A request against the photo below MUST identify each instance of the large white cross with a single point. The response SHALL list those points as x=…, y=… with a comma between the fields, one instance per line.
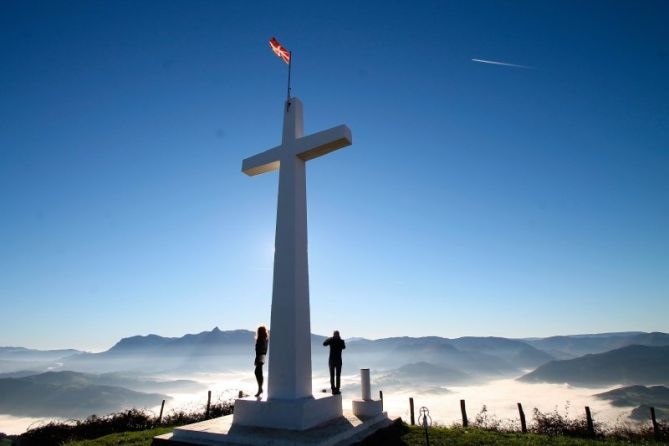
x=290, y=327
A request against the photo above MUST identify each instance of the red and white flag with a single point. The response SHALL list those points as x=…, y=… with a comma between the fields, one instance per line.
x=279, y=50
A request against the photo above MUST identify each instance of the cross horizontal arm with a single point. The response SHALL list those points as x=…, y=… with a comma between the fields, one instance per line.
x=322, y=143
x=306, y=148
x=262, y=162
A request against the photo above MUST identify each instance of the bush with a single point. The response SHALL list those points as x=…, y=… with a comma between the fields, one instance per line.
x=556, y=424
x=484, y=420
x=57, y=433
x=553, y=423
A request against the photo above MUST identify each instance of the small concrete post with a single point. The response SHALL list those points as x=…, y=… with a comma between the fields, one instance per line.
x=366, y=406
x=365, y=385
x=413, y=419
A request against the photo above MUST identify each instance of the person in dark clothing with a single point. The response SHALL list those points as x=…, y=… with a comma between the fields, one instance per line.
x=336, y=344
x=262, y=339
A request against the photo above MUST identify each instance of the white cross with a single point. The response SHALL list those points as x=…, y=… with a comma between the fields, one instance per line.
x=290, y=328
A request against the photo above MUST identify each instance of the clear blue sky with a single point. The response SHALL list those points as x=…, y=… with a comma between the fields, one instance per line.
x=477, y=199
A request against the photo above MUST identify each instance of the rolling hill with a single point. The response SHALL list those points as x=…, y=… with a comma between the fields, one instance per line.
x=642, y=397
x=14, y=359
x=637, y=395
x=634, y=364
x=67, y=395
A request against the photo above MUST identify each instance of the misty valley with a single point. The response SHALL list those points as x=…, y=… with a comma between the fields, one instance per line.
x=619, y=374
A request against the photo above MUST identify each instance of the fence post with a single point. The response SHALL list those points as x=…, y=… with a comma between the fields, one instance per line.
x=160, y=417
x=523, y=425
x=413, y=420
x=656, y=428
x=588, y=417
x=465, y=423
x=206, y=414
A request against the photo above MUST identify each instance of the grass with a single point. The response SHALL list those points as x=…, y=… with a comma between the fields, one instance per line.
x=407, y=436
x=457, y=436
x=140, y=438
x=137, y=428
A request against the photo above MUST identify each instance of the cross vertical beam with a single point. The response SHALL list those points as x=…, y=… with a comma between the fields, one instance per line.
x=290, y=344
x=289, y=375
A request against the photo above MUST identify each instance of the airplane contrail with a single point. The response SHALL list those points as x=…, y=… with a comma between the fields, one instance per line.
x=492, y=62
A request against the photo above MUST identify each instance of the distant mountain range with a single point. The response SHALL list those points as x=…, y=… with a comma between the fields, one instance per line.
x=214, y=342
x=218, y=350
x=26, y=354
x=69, y=394
x=472, y=359
x=634, y=364
x=567, y=347
x=482, y=355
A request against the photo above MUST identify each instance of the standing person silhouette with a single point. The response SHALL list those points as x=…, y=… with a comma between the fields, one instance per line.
x=262, y=339
x=336, y=344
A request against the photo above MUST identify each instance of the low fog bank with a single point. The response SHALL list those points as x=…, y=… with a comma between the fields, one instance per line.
x=499, y=397
x=12, y=425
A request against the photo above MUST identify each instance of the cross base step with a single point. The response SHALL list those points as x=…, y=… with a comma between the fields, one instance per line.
x=300, y=414
x=342, y=431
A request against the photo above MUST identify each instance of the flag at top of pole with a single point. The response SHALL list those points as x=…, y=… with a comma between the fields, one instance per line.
x=283, y=54
x=279, y=50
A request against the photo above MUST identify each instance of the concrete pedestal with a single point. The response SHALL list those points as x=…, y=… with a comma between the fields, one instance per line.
x=341, y=431
x=293, y=414
x=367, y=408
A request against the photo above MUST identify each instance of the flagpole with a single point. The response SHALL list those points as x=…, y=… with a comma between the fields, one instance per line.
x=290, y=61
